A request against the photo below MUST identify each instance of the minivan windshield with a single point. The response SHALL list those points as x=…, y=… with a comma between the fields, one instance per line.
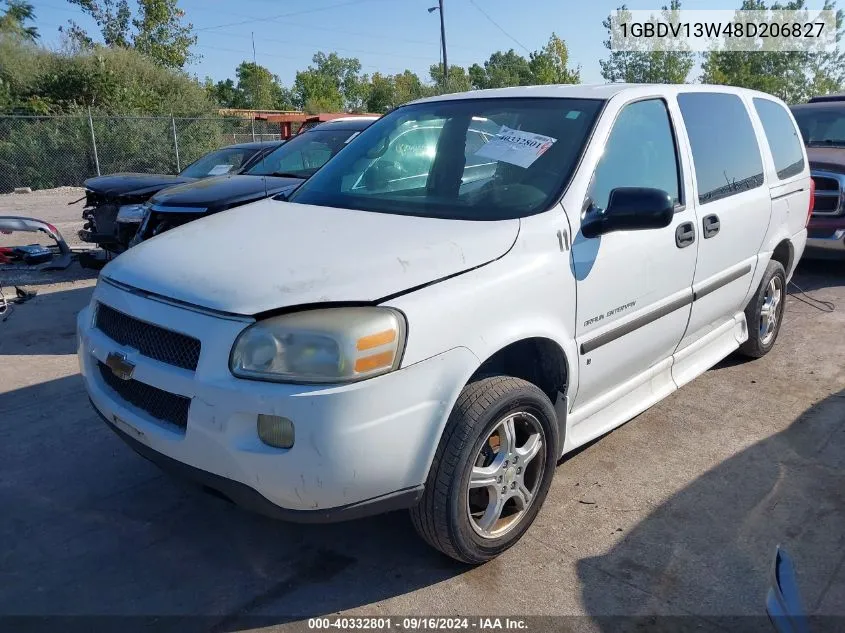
x=305, y=153
x=473, y=159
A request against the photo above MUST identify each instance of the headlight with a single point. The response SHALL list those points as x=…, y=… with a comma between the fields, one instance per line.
x=321, y=346
x=131, y=213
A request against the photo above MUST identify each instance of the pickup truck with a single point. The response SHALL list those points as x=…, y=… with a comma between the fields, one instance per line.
x=822, y=125
x=381, y=341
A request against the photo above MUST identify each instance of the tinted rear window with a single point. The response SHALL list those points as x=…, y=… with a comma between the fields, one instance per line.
x=783, y=139
x=724, y=147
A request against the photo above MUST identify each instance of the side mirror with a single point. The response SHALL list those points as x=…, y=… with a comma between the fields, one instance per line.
x=631, y=209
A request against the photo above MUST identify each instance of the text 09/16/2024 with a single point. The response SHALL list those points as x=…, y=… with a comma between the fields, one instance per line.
x=419, y=623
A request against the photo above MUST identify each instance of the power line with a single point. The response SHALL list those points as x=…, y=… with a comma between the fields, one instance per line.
x=291, y=57
x=297, y=25
x=314, y=46
x=273, y=18
x=498, y=26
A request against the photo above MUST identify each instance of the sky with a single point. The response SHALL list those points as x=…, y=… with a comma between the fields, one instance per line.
x=388, y=36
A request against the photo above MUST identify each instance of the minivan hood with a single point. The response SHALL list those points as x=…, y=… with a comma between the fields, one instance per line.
x=132, y=184
x=221, y=192
x=273, y=254
x=829, y=158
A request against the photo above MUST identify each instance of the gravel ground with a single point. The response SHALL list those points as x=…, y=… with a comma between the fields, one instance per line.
x=676, y=513
x=60, y=207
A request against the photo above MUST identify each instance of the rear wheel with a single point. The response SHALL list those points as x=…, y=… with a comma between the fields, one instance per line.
x=764, y=312
x=491, y=472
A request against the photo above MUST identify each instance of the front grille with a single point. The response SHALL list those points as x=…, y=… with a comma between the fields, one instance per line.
x=823, y=182
x=150, y=340
x=828, y=193
x=162, y=405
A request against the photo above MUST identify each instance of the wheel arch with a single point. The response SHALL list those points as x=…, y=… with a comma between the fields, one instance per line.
x=784, y=253
x=540, y=360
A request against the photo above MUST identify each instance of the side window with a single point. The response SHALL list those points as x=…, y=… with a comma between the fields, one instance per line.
x=640, y=152
x=724, y=147
x=782, y=137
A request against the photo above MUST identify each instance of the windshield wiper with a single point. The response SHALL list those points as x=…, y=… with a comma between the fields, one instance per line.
x=286, y=174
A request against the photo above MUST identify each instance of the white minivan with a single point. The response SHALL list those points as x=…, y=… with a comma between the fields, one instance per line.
x=475, y=286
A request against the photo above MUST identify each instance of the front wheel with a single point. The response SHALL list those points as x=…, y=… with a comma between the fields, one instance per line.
x=492, y=470
x=764, y=312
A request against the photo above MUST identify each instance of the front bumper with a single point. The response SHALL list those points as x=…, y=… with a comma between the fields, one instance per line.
x=250, y=499
x=360, y=448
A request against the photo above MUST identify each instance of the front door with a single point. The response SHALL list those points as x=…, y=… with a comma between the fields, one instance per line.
x=634, y=287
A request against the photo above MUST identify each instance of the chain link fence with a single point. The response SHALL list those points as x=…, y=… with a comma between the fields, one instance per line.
x=43, y=152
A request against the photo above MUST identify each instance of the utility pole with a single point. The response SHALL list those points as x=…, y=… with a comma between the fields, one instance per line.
x=442, y=41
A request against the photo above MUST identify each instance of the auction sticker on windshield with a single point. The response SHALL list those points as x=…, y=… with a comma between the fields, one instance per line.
x=516, y=147
x=219, y=170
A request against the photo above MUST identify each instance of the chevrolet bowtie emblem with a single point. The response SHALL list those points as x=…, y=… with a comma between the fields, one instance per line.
x=119, y=366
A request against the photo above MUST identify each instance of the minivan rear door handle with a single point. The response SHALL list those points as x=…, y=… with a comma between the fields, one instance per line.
x=710, y=224
x=684, y=234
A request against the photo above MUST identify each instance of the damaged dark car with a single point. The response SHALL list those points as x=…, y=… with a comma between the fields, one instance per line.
x=278, y=173
x=114, y=204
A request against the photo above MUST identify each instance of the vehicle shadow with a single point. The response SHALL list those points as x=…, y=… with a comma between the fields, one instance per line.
x=45, y=324
x=814, y=274
x=708, y=549
x=90, y=528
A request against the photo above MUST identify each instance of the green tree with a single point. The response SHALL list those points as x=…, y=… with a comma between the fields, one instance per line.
x=501, y=70
x=386, y=92
x=13, y=20
x=256, y=88
x=651, y=62
x=331, y=83
x=157, y=29
x=22, y=65
x=260, y=89
x=550, y=65
x=458, y=80
x=381, y=96
x=34, y=80
x=409, y=87
x=791, y=75
x=224, y=93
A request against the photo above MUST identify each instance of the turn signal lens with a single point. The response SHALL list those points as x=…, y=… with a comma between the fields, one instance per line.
x=275, y=431
x=376, y=361
x=376, y=340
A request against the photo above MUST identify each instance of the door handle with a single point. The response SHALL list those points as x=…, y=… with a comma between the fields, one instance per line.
x=710, y=224
x=684, y=234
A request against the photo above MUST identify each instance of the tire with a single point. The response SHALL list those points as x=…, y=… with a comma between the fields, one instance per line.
x=762, y=335
x=450, y=517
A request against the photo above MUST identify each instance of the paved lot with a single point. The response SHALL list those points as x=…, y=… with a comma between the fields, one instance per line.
x=678, y=512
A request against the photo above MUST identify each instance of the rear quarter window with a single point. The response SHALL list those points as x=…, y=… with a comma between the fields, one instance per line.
x=782, y=137
x=724, y=147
